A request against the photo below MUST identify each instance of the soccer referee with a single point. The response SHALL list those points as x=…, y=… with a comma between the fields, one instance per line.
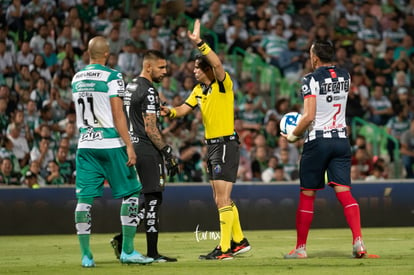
x=215, y=97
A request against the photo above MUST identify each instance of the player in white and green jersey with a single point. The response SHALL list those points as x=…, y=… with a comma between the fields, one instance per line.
x=105, y=151
x=92, y=89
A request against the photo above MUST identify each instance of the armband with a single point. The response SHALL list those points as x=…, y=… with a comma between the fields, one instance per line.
x=173, y=113
x=200, y=43
x=203, y=48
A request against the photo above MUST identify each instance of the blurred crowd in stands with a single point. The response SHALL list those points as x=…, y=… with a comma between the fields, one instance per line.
x=43, y=43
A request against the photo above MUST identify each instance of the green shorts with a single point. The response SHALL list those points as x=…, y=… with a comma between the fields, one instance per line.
x=93, y=166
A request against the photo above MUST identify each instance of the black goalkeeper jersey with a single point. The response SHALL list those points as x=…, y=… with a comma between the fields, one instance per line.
x=141, y=97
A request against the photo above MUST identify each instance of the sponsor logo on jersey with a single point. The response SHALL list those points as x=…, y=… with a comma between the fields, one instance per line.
x=305, y=88
x=133, y=138
x=89, y=74
x=85, y=86
x=331, y=98
x=151, y=99
x=132, y=87
x=127, y=97
x=335, y=87
x=95, y=75
x=90, y=135
x=332, y=127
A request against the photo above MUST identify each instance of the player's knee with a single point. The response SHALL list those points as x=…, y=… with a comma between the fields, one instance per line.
x=309, y=193
x=222, y=202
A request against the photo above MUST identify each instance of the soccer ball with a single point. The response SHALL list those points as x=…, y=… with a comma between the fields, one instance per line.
x=289, y=122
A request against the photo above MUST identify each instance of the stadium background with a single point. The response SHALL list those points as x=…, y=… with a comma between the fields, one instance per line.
x=263, y=206
x=188, y=206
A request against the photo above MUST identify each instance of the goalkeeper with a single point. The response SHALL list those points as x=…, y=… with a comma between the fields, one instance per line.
x=142, y=108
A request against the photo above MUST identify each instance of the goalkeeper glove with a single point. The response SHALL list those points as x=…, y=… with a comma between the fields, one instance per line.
x=170, y=160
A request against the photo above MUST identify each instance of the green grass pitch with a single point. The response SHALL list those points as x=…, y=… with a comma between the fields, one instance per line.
x=329, y=252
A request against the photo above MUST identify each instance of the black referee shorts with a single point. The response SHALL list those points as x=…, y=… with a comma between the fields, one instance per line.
x=223, y=160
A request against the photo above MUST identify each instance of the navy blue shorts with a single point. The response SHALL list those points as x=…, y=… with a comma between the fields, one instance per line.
x=331, y=155
x=223, y=160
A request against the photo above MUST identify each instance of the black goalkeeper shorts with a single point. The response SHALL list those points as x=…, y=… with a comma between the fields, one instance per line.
x=150, y=168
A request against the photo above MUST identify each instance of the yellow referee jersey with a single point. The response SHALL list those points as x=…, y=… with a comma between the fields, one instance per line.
x=216, y=103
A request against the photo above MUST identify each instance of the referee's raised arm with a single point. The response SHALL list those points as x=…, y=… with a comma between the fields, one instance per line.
x=205, y=50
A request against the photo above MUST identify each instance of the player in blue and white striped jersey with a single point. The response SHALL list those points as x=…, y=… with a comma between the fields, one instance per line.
x=326, y=149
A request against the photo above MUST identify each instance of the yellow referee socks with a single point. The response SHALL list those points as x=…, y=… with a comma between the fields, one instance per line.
x=236, y=229
x=226, y=224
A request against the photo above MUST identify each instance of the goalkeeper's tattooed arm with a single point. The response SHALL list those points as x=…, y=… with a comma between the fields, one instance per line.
x=155, y=135
x=150, y=121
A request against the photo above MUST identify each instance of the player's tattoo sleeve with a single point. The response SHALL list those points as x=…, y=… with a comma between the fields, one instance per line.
x=150, y=121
